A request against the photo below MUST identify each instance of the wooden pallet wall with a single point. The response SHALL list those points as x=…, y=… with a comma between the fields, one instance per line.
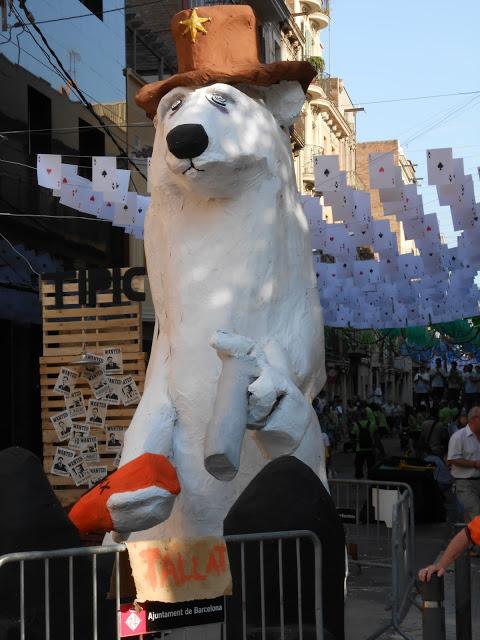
x=66, y=333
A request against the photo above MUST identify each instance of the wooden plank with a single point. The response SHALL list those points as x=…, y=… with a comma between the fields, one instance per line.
x=97, y=337
x=88, y=325
x=74, y=351
x=49, y=363
x=132, y=308
x=66, y=332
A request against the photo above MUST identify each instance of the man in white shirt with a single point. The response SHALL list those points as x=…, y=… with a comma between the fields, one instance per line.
x=421, y=386
x=469, y=386
x=464, y=458
x=438, y=382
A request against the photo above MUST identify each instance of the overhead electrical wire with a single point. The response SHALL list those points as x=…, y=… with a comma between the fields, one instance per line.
x=411, y=99
x=78, y=91
x=92, y=14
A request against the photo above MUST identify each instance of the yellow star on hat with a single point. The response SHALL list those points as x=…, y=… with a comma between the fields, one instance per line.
x=193, y=24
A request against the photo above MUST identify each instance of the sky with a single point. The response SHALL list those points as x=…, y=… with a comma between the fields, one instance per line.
x=92, y=50
x=385, y=49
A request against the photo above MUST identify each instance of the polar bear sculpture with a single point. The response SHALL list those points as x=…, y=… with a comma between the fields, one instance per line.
x=238, y=340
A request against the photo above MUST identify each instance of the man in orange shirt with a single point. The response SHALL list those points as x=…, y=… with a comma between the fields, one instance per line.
x=458, y=545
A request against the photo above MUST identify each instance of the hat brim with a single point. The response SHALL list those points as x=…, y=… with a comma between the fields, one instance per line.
x=260, y=75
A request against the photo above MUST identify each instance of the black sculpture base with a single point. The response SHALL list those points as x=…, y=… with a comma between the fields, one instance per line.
x=286, y=495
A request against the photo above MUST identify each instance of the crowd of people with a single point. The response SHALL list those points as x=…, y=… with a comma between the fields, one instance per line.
x=438, y=384
x=425, y=430
x=442, y=428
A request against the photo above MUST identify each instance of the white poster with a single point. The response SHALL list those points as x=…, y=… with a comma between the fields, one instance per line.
x=130, y=393
x=78, y=470
x=62, y=423
x=96, y=413
x=113, y=360
x=66, y=381
x=75, y=405
x=60, y=460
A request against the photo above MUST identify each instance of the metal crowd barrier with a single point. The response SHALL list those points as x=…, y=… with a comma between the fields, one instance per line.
x=433, y=595
x=364, y=505
x=261, y=541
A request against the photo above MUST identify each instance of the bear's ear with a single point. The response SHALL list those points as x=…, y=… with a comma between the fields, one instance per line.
x=285, y=101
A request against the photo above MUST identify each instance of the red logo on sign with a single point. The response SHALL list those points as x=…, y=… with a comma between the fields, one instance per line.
x=132, y=622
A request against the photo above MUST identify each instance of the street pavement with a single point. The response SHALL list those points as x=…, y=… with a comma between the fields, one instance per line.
x=368, y=594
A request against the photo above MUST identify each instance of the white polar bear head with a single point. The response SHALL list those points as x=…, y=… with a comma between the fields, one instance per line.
x=218, y=139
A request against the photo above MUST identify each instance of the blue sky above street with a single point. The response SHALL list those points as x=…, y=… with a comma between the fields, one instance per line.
x=386, y=50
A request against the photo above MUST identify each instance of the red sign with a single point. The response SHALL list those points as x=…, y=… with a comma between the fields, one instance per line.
x=132, y=622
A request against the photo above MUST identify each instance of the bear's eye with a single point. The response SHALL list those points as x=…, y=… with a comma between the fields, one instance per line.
x=176, y=105
x=216, y=98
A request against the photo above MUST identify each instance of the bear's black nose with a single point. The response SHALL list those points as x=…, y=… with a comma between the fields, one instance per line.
x=187, y=140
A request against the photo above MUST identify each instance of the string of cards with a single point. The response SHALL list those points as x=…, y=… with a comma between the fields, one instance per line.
x=73, y=424
x=106, y=196
x=433, y=284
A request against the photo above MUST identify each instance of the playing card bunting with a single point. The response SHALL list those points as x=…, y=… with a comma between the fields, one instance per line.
x=394, y=290
x=437, y=285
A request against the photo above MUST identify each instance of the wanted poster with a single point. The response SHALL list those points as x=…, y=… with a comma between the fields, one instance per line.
x=96, y=362
x=78, y=443
x=80, y=429
x=78, y=470
x=114, y=396
x=96, y=413
x=114, y=439
x=98, y=383
x=62, y=424
x=113, y=360
x=116, y=462
x=75, y=405
x=90, y=451
x=66, y=381
x=97, y=473
x=60, y=461
x=130, y=393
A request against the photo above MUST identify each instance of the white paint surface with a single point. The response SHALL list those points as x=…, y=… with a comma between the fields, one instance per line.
x=228, y=250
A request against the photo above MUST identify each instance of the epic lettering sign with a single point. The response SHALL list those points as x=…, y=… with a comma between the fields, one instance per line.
x=93, y=281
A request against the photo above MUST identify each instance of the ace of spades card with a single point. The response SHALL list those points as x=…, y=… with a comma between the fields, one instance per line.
x=104, y=170
x=342, y=204
x=383, y=239
x=125, y=211
x=440, y=166
x=118, y=186
x=326, y=170
x=143, y=202
x=447, y=191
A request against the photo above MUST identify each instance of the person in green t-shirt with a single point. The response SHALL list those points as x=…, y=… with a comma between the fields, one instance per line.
x=363, y=433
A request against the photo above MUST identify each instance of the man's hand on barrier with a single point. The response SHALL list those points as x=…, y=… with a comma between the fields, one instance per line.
x=426, y=573
x=457, y=545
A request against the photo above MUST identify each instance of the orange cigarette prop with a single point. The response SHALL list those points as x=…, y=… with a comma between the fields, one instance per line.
x=90, y=514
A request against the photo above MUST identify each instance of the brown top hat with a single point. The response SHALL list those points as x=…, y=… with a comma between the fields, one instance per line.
x=219, y=44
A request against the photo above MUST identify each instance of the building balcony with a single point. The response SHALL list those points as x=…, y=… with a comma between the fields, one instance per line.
x=320, y=19
x=313, y=6
x=316, y=88
x=307, y=155
x=297, y=133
